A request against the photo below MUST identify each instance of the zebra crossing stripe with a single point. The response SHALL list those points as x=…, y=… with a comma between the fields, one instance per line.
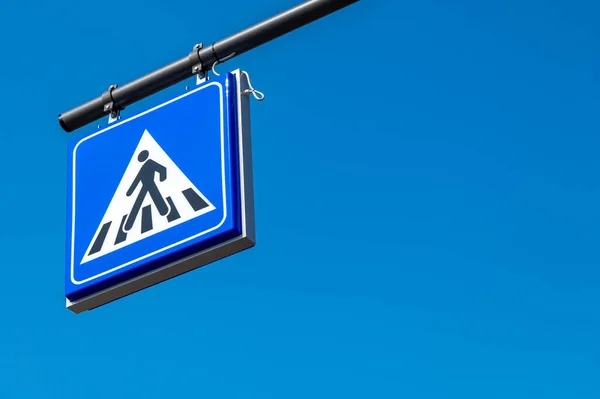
x=100, y=238
x=121, y=235
x=146, y=218
x=194, y=199
x=151, y=183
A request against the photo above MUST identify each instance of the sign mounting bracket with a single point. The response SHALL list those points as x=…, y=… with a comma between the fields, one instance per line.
x=109, y=105
x=196, y=62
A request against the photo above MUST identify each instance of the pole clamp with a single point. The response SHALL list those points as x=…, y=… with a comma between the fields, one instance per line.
x=108, y=103
x=194, y=59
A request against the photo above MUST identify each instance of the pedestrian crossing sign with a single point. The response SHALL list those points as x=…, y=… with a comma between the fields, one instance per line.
x=159, y=194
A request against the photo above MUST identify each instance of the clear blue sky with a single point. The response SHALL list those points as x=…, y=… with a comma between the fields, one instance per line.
x=427, y=200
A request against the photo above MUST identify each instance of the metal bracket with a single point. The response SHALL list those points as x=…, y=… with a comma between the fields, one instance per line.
x=108, y=104
x=196, y=62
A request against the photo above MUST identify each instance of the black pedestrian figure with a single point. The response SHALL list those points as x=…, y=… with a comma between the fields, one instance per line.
x=146, y=178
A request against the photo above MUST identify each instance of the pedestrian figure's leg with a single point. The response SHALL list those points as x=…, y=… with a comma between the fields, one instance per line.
x=136, y=209
x=158, y=200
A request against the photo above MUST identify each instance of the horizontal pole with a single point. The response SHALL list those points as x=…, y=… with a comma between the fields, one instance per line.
x=204, y=58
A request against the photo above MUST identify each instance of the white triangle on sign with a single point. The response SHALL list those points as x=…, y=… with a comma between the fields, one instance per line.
x=160, y=197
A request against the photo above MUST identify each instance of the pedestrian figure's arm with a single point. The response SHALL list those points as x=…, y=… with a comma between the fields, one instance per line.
x=135, y=183
x=162, y=171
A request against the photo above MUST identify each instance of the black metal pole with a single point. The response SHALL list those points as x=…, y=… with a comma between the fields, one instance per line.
x=201, y=59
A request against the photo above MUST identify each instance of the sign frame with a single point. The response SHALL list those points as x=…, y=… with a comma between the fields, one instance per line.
x=245, y=240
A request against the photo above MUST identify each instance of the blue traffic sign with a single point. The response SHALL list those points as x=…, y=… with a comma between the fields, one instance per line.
x=159, y=194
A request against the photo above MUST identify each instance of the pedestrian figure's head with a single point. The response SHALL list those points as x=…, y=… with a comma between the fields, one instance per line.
x=143, y=156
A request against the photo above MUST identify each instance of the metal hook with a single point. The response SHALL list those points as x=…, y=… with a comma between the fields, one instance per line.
x=259, y=96
x=221, y=61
